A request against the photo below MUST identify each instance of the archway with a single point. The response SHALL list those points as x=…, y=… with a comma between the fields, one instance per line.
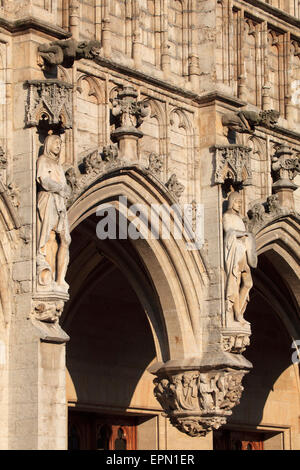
x=268, y=414
x=133, y=303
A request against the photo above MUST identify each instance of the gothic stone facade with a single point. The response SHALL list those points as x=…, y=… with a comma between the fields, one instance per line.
x=149, y=102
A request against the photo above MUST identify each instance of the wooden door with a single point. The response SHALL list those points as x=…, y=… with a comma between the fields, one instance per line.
x=246, y=441
x=238, y=440
x=91, y=431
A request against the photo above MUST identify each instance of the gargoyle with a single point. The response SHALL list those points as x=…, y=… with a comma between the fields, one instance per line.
x=246, y=121
x=66, y=51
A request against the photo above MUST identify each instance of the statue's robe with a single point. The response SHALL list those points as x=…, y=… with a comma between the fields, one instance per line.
x=52, y=214
x=240, y=251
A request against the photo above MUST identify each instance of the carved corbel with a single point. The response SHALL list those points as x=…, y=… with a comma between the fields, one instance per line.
x=233, y=163
x=49, y=101
x=197, y=401
x=45, y=315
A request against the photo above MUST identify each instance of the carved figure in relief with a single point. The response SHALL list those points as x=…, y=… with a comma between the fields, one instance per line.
x=52, y=222
x=205, y=390
x=240, y=256
x=175, y=188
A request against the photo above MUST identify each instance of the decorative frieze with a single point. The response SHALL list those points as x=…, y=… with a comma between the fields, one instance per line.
x=51, y=101
x=197, y=402
x=233, y=163
x=235, y=341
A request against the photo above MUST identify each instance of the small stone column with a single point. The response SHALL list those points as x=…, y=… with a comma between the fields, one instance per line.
x=285, y=166
x=128, y=114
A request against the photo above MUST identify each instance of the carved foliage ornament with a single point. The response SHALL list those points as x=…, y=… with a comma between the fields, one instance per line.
x=233, y=163
x=49, y=100
x=175, y=188
x=285, y=165
x=156, y=163
x=95, y=163
x=197, y=402
x=128, y=113
x=260, y=214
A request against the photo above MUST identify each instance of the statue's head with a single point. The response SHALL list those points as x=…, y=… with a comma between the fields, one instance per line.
x=235, y=201
x=52, y=146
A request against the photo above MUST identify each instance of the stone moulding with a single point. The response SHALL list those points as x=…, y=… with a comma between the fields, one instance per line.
x=233, y=163
x=49, y=100
x=198, y=400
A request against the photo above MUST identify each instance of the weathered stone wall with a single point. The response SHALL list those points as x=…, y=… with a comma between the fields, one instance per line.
x=193, y=62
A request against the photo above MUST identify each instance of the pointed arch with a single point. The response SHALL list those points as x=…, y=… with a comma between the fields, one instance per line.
x=278, y=243
x=178, y=276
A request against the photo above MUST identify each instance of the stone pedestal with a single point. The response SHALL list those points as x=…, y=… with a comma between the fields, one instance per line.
x=127, y=139
x=128, y=115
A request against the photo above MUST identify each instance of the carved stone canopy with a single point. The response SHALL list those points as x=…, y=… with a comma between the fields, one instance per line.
x=198, y=400
x=233, y=164
x=51, y=101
